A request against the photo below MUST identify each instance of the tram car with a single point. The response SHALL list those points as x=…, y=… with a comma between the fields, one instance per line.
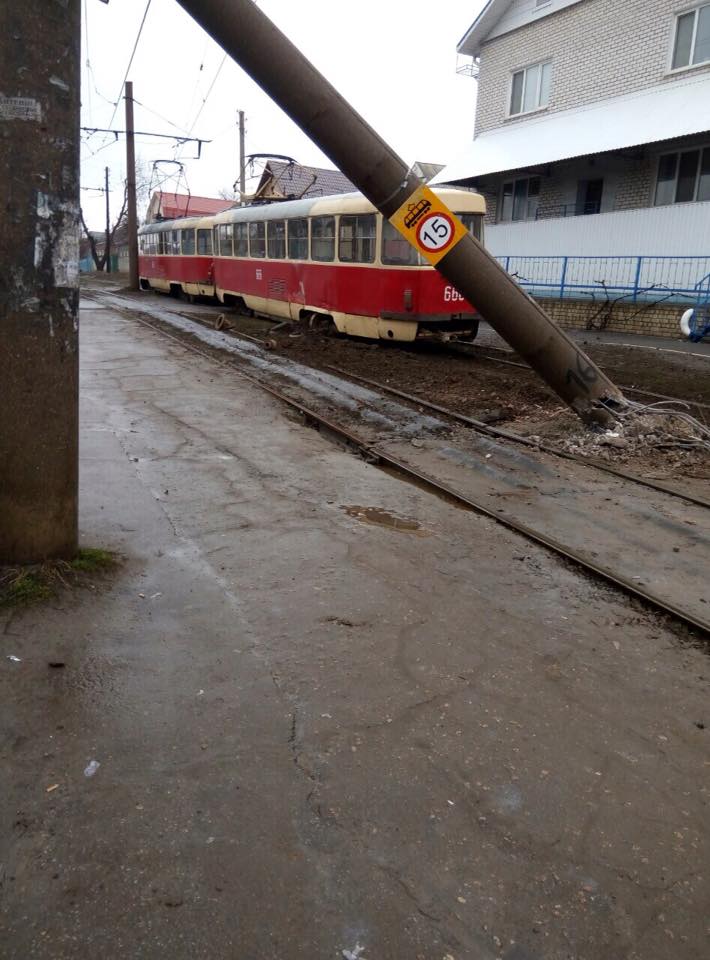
x=334, y=259
x=176, y=256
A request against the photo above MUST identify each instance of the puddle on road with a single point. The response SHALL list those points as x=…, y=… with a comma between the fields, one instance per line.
x=382, y=518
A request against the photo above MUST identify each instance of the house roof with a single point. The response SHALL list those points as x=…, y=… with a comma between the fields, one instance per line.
x=174, y=205
x=658, y=113
x=283, y=180
x=471, y=42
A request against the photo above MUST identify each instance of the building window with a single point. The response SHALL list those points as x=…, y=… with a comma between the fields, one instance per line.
x=692, y=38
x=531, y=88
x=519, y=199
x=683, y=177
x=356, y=239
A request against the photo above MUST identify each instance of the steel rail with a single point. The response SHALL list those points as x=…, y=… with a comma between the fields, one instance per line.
x=486, y=428
x=372, y=454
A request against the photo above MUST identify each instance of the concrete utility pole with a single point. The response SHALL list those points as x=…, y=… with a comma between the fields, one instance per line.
x=242, y=159
x=107, y=248
x=131, y=191
x=295, y=85
x=39, y=278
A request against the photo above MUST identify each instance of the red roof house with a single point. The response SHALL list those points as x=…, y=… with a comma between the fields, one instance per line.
x=168, y=206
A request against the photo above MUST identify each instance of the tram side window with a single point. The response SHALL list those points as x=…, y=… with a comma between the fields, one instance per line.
x=396, y=250
x=204, y=243
x=188, y=242
x=225, y=240
x=153, y=244
x=257, y=243
x=298, y=239
x=173, y=238
x=276, y=239
x=323, y=238
x=241, y=239
x=356, y=239
x=472, y=222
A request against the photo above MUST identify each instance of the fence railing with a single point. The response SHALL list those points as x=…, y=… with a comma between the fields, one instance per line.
x=633, y=279
x=584, y=209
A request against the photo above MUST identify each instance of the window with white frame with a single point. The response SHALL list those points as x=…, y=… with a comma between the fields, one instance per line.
x=692, y=38
x=683, y=177
x=530, y=89
x=519, y=199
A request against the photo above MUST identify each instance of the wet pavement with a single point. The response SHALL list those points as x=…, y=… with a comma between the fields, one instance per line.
x=334, y=715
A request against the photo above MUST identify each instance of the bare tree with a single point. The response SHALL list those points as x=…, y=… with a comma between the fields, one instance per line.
x=101, y=259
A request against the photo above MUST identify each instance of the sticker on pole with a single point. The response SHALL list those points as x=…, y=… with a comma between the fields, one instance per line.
x=428, y=224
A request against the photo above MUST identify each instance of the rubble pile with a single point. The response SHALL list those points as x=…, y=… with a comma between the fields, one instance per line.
x=641, y=433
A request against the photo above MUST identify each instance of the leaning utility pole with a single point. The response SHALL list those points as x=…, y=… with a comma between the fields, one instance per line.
x=131, y=191
x=39, y=278
x=242, y=159
x=296, y=86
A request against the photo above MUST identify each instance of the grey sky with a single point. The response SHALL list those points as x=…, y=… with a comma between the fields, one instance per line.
x=394, y=60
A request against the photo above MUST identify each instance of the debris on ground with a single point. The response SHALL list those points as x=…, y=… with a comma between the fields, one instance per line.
x=91, y=768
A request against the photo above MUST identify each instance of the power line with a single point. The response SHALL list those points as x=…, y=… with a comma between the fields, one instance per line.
x=207, y=95
x=133, y=53
x=204, y=101
x=161, y=117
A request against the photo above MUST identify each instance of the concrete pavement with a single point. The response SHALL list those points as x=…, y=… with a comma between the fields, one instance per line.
x=335, y=716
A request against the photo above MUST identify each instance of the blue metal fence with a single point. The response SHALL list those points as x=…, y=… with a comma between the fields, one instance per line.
x=633, y=279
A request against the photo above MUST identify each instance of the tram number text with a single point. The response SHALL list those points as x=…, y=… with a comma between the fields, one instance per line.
x=452, y=296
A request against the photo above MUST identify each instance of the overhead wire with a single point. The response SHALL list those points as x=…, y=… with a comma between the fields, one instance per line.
x=130, y=62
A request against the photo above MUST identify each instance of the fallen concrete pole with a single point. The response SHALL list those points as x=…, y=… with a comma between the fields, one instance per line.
x=279, y=68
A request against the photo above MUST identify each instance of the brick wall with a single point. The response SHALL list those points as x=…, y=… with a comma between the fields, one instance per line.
x=651, y=321
x=599, y=49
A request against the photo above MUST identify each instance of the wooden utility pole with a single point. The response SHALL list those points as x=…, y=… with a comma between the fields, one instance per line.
x=39, y=289
x=107, y=248
x=131, y=191
x=242, y=159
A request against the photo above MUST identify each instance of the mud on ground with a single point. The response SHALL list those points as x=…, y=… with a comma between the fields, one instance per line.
x=485, y=383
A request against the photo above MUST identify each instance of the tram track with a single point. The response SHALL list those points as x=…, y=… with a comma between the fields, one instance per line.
x=471, y=349
x=374, y=452
x=491, y=431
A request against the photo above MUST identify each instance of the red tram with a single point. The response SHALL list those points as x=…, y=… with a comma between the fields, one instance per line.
x=323, y=257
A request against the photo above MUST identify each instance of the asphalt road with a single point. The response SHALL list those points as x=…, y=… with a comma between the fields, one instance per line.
x=334, y=716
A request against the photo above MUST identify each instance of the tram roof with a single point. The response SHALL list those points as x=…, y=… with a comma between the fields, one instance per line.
x=347, y=203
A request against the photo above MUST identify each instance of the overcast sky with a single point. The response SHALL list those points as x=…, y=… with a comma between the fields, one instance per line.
x=393, y=60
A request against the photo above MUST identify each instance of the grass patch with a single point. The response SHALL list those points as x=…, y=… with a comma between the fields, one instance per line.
x=38, y=582
x=92, y=560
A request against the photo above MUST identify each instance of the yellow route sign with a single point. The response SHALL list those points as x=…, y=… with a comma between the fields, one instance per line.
x=428, y=224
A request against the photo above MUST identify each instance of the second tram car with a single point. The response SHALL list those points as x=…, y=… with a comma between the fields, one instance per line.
x=334, y=258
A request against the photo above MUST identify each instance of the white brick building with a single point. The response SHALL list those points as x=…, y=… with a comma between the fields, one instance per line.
x=592, y=127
